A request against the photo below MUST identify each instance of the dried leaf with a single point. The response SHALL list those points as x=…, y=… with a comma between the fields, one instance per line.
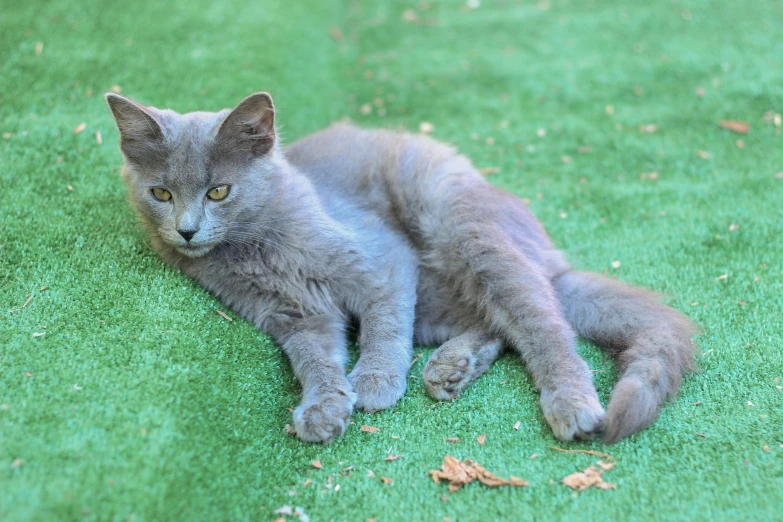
x=590, y=477
x=369, y=429
x=392, y=458
x=224, y=316
x=386, y=480
x=516, y=481
x=452, y=440
x=79, y=128
x=741, y=127
x=606, y=466
x=586, y=452
x=336, y=34
x=317, y=464
x=458, y=473
x=722, y=277
x=481, y=439
x=703, y=154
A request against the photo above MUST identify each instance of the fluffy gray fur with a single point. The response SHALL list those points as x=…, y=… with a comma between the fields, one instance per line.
x=398, y=234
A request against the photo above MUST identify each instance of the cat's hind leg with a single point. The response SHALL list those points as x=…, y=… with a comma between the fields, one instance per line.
x=459, y=361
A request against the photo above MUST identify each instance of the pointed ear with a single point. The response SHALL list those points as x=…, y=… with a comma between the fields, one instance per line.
x=141, y=136
x=250, y=126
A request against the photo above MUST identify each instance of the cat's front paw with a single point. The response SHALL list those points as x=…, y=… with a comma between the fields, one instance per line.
x=573, y=413
x=377, y=389
x=325, y=417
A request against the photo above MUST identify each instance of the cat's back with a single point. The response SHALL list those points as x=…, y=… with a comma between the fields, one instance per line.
x=356, y=160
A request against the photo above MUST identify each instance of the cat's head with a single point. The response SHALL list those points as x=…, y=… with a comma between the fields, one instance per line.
x=191, y=177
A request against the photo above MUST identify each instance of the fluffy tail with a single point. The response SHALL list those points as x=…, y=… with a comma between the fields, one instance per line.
x=652, y=344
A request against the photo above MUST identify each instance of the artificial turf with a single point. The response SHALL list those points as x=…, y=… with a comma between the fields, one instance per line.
x=140, y=402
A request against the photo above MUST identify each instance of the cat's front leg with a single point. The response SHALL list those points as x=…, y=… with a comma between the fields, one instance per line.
x=316, y=348
x=379, y=377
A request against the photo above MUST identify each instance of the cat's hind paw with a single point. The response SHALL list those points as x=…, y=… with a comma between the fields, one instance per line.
x=445, y=376
x=573, y=414
x=323, y=418
x=456, y=364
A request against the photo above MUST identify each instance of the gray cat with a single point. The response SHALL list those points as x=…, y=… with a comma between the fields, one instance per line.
x=400, y=235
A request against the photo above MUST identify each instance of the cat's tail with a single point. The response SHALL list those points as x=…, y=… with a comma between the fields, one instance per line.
x=651, y=343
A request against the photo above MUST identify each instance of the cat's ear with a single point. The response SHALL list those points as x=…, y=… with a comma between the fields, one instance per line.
x=250, y=126
x=140, y=133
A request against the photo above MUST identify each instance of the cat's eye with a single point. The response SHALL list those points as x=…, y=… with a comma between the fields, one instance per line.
x=218, y=193
x=161, y=194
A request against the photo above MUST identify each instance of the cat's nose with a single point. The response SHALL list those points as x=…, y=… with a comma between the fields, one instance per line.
x=187, y=234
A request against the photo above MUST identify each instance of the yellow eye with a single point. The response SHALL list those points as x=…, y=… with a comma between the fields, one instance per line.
x=161, y=194
x=218, y=193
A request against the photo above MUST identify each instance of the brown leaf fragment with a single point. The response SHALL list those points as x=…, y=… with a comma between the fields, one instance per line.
x=224, y=316
x=587, y=452
x=703, y=154
x=307, y=483
x=336, y=34
x=79, y=128
x=702, y=435
x=392, y=458
x=386, y=480
x=458, y=473
x=369, y=429
x=317, y=464
x=481, y=439
x=410, y=16
x=28, y=374
x=516, y=481
x=590, y=477
x=606, y=466
x=741, y=127
x=452, y=440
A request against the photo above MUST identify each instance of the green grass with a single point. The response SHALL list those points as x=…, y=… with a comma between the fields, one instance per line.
x=144, y=404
